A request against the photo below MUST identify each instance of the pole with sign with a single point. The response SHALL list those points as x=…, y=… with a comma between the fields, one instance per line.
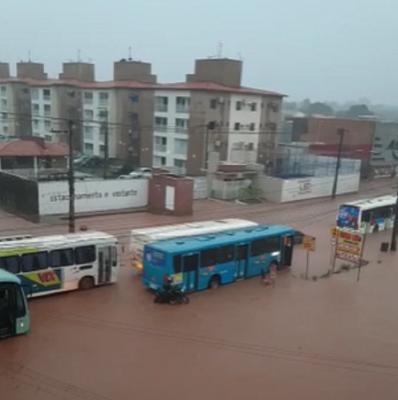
x=309, y=245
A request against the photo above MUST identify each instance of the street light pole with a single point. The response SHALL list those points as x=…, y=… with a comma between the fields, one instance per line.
x=341, y=133
x=394, y=233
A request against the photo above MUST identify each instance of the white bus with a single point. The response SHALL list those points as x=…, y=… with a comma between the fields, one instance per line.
x=57, y=263
x=140, y=237
x=367, y=215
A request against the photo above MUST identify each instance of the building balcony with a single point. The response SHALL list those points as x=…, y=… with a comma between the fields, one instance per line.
x=180, y=129
x=182, y=109
x=161, y=107
x=160, y=128
x=160, y=148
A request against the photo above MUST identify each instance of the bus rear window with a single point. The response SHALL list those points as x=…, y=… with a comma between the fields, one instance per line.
x=10, y=264
x=348, y=217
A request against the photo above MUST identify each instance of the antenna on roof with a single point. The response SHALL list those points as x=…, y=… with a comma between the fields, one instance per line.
x=220, y=49
x=130, y=53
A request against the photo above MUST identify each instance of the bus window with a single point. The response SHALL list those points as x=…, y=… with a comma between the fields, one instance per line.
x=177, y=264
x=190, y=263
x=365, y=216
x=10, y=264
x=208, y=258
x=263, y=246
x=225, y=254
x=34, y=261
x=84, y=254
x=61, y=258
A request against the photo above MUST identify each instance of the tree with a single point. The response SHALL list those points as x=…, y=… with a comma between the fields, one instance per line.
x=320, y=108
x=358, y=110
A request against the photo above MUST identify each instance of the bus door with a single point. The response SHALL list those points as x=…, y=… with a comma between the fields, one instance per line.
x=190, y=265
x=7, y=322
x=241, y=260
x=104, y=264
x=287, y=252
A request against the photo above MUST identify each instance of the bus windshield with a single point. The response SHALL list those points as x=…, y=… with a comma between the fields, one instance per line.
x=348, y=217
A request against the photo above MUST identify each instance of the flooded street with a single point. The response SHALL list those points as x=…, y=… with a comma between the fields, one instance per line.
x=325, y=339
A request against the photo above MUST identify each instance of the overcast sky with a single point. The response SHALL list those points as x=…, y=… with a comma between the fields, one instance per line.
x=324, y=50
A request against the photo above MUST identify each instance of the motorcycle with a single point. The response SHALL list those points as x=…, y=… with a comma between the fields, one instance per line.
x=172, y=296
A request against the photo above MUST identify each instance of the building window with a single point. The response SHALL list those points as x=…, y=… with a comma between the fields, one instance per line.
x=4, y=116
x=180, y=146
x=161, y=124
x=102, y=150
x=88, y=148
x=159, y=161
x=213, y=104
x=252, y=126
x=179, y=163
x=182, y=104
x=34, y=94
x=47, y=125
x=238, y=105
x=46, y=94
x=88, y=132
x=160, y=144
x=161, y=103
x=5, y=129
x=103, y=97
x=181, y=125
x=88, y=97
x=253, y=106
x=3, y=90
x=3, y=104
x=36, y=124
x=48, y=138
x=237, y=126
x=47, y=110
x=35, y=109
x=103, y=114
x=88, y=115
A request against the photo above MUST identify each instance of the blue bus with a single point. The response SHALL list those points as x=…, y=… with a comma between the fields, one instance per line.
x=207, y=261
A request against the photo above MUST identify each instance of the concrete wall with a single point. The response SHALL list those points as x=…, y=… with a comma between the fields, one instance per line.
x=385, y=146
x=91, y=196
x=222, y=70
x=170, y=194
x=21, y=196
x=31, y=70
x=80, y=71
x=285, y=190
x=128, y=70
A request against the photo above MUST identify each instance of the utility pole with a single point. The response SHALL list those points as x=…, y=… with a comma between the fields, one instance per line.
x=394, y=233
x=106, y=148
x=71, y=180
x=341, y=133
x=71, y=175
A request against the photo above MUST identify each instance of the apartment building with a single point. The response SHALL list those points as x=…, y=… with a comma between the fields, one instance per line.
x=143, y=122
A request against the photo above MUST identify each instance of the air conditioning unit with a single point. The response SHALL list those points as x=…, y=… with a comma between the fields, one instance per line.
x=221, y=100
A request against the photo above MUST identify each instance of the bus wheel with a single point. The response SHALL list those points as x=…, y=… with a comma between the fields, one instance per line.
x=86, y=283
x=214, y=282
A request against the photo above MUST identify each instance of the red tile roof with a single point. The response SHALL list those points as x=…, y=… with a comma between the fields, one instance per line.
x=199, y=86
x=31, y=148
